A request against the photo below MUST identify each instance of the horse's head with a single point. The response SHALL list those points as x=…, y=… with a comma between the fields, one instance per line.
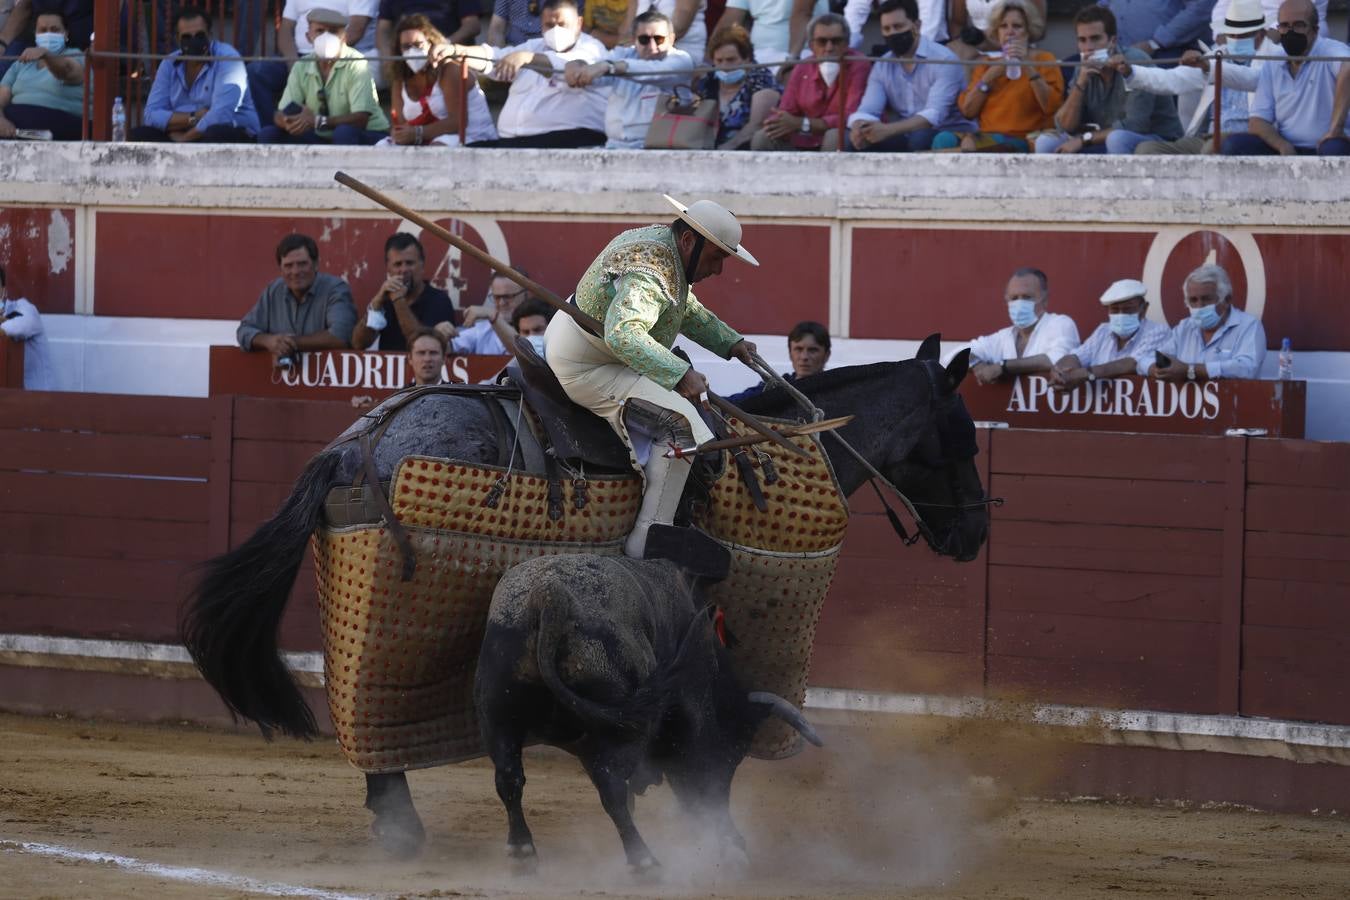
x=937, y=473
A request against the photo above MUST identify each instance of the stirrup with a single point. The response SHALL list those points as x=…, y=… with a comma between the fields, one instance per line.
x=690, y=549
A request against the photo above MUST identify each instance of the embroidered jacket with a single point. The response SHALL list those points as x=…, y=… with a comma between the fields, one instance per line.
x=636, y=289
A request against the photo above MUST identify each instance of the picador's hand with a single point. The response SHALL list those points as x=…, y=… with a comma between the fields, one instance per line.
x=744, y=351
x=692, y=386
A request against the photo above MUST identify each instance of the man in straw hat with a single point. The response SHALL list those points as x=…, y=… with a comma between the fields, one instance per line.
x=638, y=288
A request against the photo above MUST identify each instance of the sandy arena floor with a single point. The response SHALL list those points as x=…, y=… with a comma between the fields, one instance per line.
x=886, y=811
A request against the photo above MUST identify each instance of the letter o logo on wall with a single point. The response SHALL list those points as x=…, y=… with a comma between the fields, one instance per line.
x=1166, y=241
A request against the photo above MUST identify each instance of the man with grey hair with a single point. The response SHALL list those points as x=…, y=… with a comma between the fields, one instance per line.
x=807, y=117
x=1217, y=340
x=1035, y=339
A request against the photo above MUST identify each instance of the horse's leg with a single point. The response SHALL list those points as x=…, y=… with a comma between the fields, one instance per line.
x=397, y=827
x=504, y=741
x=610, y=768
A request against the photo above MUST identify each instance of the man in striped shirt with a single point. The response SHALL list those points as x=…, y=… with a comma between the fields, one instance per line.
x=1122, y=345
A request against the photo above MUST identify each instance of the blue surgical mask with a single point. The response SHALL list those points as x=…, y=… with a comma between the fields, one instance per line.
x=730, y=76
x=51, y=41
x=1124, y=324
x=1206, y=316
x=537, y=342
x=1242, y=48
x=1022, y=312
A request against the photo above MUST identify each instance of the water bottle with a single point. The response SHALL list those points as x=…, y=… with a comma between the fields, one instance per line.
x=1013, y=72
x=1286, y=361
x=119, y=121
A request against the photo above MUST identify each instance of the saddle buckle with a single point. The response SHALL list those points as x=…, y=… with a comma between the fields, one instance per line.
x=770, y=470
x=579, y=488
x=494, y=495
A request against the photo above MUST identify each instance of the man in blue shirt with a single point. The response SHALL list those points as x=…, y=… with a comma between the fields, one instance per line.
x=1161, y=28
x=1217, y=340
x=199, y=100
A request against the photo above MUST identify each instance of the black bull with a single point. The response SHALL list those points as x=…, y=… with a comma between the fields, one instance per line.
x=909, y=423
x=614, y=659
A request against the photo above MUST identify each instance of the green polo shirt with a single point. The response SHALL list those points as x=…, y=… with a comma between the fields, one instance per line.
x=350, y=89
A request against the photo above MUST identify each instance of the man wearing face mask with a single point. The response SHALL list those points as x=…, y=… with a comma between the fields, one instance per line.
x=204, y=100
x=1122, y=345
x=1034, y=340
x=1299, y=107
x=807, y=117
x=1239, y=33
x=632, y=101
x=1217, y=340
x=530, y=321
x=638, y=288
x=918, y=99
x=330, y=95
x=542, y=108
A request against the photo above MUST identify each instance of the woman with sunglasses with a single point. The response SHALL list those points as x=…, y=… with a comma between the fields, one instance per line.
x=425, y=92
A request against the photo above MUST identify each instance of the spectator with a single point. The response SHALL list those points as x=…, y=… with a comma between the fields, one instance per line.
x=1099, y=115
x=632, y=101
x=1161, y=29
x=686, y=18
x=18, y=25
x=1298, y=112
x=778, y=31
x=530, y=320
x=330, y=96
x=426, y=358
x=918, y=99
x=21, y=323
x=542, y=110
x=1217, y=340
x=1122, y=345
x=430, y=90
x=1008, y=108
x=1034, y=340
x=516, y=21
x=414, y=303
x=459, y=20
x=1241, y=34
x=807, y=117
x=44, y=89
x=487, y=328
x=295, y=38
x=14, y=37
x=607, y=22
x=303, y=310
x=198, y=101
x=969, y=21
x=744, y=96
x=808, y=348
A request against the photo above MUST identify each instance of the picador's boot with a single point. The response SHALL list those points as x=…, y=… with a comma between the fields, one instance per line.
x=660, y=499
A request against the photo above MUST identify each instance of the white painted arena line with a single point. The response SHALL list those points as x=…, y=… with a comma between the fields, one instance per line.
x=185, y=874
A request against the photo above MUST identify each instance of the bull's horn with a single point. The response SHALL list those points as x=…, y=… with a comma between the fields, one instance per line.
x=790, y=714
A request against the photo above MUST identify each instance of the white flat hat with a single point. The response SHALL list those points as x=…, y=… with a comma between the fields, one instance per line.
x=1126, y=289
x=716, y=224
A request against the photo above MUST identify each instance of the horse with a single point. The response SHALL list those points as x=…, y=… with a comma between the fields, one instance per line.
x=909, y=425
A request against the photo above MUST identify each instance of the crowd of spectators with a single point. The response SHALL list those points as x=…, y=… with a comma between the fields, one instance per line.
x=964, y=76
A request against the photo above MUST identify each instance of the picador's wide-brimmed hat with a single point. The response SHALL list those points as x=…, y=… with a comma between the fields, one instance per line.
x=1243, y=17
x=716, y=224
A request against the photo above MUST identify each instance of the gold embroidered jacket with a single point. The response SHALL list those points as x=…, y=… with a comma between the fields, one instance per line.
x=634, y=288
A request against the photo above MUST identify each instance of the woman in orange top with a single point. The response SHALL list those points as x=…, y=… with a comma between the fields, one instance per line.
x=1010, y=102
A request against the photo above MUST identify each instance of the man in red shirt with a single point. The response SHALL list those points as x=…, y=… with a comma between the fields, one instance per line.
x=808, y=116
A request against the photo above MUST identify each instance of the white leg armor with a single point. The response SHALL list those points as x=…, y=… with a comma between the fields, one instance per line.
x=660, y=500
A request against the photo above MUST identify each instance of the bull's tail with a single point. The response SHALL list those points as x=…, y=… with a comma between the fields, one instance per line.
x=230, y=619
x=639, y=710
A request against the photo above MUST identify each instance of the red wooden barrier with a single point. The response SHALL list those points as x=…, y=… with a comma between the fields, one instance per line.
x=11, y=364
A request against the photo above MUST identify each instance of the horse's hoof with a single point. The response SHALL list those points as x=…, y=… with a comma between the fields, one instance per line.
x=401, y=837
x=523, y=857
x=646, y=870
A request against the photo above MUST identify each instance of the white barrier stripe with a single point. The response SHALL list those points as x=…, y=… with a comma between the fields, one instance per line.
x=1299, y=734
x=176, y=873
x=138, y=651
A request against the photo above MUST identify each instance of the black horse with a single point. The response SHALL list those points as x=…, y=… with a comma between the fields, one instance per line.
x=909, y=424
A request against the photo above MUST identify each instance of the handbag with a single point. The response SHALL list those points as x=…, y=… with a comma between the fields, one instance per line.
x=683, y=123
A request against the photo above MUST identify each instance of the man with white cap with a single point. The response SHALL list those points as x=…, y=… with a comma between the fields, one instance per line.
x=1239, y=33
x=638, y=288
x=1122, y=345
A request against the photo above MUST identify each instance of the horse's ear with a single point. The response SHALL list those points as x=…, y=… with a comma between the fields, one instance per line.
x=957, y=368
x=930, y=347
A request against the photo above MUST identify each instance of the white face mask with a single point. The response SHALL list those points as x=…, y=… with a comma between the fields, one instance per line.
x=327, y=45
x=415, y=60
x=558, y=39
x=536, y=341
x=829, y=71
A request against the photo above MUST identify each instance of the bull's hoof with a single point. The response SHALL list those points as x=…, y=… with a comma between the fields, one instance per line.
x=400, y=835
x=524, y=859
x=646, y=869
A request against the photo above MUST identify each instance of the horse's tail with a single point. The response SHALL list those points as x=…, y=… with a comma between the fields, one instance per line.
x=633, y=713
x=229, y=621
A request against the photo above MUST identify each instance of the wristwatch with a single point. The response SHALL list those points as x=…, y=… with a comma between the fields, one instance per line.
x=320, y=123
x=982, y=88
x=1088, y=136
x=1092, y=376
x=1154, y=45
x=1190, y=372
x=610, y=65
x=806, y=124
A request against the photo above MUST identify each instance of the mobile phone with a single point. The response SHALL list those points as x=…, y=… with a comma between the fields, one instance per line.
x=291, y=109
x=13, y=315
x=1161, y=359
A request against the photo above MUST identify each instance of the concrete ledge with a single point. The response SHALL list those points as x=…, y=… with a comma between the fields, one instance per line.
x=996, y=188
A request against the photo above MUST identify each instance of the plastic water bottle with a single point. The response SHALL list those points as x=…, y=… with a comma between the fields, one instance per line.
x=1286, y=361
x=119, y=121
x=1013, y=72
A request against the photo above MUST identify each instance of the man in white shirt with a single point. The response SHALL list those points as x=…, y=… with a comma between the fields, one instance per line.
x=542, y=110
x=632, y=101
x=20, y=322
x=1034, y=340
x=1217, y=340
x=487, y=328
x=1122, y=345
x=267, y=77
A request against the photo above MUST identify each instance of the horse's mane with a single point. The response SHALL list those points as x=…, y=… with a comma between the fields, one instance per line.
x=774, y=397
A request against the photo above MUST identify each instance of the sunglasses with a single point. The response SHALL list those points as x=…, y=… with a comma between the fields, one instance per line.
x=657, y=39
x=323, y=103
x=829, y=41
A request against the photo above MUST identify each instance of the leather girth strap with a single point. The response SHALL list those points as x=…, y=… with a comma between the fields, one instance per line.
x=391, y=522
